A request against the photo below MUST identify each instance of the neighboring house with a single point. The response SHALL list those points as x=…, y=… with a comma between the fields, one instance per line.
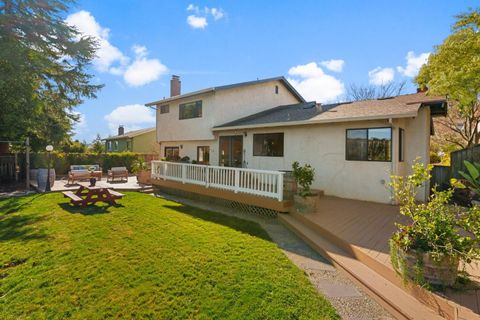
x=142, y=141
x=266, y=124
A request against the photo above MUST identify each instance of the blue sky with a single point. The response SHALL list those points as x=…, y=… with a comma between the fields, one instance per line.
x=321, y=46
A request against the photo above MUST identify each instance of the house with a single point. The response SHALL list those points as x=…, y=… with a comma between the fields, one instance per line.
x=266, y=124
x=141, y=141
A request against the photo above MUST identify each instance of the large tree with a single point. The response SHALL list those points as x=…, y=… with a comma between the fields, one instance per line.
x=43, y=71
x=453, y=69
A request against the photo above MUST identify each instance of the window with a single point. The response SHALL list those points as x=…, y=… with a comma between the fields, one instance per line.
x=191, y=110
x=203, y=154
x=401, y=144
x=172, y=153
x=165, y=109
x=268, y=144
x=115, y=145
x=276, y=89
x=374, y=144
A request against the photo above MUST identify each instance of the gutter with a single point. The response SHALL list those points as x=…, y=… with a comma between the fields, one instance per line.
x=322, y=121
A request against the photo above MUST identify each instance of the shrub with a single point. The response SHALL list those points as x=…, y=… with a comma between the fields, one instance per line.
x=472, y=176
x=304, y=177
x=139, y=165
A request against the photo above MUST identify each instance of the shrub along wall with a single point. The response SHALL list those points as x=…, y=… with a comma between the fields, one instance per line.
x=62, y=161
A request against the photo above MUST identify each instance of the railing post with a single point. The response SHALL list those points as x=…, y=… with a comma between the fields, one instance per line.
x=184, y=173
x=207, y=177
x=237, y=180
x=280, y=186
x=164, y=173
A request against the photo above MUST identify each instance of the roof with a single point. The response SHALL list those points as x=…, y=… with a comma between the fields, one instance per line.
x=131, y=134
x=230, y=86
x=309, y=113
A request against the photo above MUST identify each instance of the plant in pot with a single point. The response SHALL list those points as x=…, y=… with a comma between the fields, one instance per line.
x=439, y=236
x=473, y=178
x=93, y=179
x=140, y=168
x=305, y=200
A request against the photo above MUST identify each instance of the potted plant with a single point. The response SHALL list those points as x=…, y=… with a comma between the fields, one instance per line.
x=473, y=179
x=429, y=249
x=140, y=168
x=305, y=200
x=93, y=179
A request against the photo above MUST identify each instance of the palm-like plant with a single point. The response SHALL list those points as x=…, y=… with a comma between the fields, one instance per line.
x=139, y=165
x=472, y=176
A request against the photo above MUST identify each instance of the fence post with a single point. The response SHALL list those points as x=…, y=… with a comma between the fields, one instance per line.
x=280, y=186
x=207, y=177
x=237, y=180
x=184, y=173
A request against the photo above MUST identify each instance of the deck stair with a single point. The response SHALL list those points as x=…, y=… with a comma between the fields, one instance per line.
x=396, y=300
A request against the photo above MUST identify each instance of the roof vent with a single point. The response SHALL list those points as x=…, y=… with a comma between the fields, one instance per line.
x=385, y=98
x=309, y=105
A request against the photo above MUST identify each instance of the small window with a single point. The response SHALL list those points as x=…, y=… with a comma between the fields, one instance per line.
x=374, y=144
x=190, y=110
x=203, y=155
x=172, y=153
x=276, y=89
x=165, y=109
x=401, y=145
x=115, y=145
x=268, y=144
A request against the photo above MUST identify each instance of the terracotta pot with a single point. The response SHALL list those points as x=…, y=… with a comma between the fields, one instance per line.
x=307, y=204
x=443, y=272
x=143, y=177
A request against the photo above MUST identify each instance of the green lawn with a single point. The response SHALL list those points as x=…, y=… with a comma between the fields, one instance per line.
x=144, y=258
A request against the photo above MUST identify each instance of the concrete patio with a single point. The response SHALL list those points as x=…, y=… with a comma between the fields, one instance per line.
x=132, y=184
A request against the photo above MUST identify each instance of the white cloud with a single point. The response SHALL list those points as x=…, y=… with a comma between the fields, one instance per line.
x=313, y=84
x=199, y=18
x=197, y=22
x=143, y=70
x=136, y=72
x=414, y=63
x=81, y=126
x=133, y=117
x=333, y=64
x=107, y=54
x=381, y=76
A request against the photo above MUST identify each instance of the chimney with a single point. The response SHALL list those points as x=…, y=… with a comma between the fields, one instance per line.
x=175, y=86
x=121, y=130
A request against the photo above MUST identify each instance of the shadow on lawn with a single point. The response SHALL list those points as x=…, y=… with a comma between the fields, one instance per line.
x=20, y=227
x=249, y=227
x=16, y=204
x=90, y=209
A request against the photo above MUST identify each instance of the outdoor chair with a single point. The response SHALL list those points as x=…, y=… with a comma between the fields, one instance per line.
x=117, y=173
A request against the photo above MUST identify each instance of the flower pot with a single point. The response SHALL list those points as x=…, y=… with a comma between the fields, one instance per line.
x=143, y=177
x=307, y=204
x=414, y=265
x=42, y=178
x=93, y=181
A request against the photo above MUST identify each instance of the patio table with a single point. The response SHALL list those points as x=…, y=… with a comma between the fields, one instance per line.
x=87, y=194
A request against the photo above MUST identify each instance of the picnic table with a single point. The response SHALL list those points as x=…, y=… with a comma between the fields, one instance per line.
x=87, y=194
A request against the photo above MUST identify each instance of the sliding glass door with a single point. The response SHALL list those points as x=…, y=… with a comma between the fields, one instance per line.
x=231, y=151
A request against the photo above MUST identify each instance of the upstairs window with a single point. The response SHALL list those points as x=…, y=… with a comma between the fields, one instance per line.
x=165, y=109
x=373, y=144
x=190, y=110
x=268, y=145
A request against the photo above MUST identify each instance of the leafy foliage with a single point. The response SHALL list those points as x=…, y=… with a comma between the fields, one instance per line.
x=436, y=226
x=97, y=145
x=472, y=176
x=304, y=177
x=453, y=70
x=139, y=165
x=43, y=75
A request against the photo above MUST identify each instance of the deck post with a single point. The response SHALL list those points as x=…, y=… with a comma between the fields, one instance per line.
x=237, y=180
x=280, y=187
x=207, y=175
x=184, y=173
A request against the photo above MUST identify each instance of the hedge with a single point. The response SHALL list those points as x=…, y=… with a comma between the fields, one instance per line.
x=62, y=161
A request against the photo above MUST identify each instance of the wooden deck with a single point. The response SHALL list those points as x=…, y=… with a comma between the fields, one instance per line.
x=363, y=229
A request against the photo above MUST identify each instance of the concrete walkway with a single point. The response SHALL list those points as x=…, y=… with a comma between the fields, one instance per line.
x=349, y=300
x=132, y=184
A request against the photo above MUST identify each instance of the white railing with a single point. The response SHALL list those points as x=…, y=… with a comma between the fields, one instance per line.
x=265, y=183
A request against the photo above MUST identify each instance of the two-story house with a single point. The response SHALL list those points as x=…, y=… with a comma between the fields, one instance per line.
x=354, y=147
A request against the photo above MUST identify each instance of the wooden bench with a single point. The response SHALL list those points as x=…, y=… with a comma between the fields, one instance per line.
x=73, y=197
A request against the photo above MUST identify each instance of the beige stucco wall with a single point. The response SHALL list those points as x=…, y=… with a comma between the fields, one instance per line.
x=218, y=108
x=145, y=143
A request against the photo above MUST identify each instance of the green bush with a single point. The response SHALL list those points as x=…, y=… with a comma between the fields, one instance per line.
x=62, y=161
x=304, y=177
